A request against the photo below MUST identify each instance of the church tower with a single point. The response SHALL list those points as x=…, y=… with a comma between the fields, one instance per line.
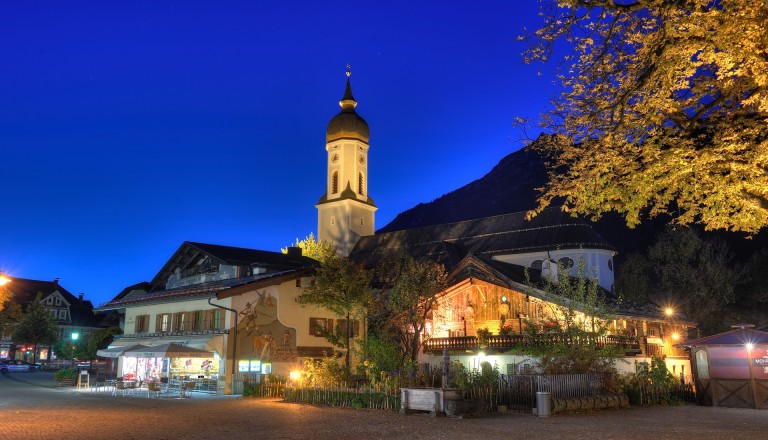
x=346, y=212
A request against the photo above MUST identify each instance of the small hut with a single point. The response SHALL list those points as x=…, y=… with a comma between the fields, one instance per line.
x=731, y=368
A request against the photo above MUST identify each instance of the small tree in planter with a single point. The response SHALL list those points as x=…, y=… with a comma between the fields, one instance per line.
x=65, y=377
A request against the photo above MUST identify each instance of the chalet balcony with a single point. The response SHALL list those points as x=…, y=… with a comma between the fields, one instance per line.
x=500, y=344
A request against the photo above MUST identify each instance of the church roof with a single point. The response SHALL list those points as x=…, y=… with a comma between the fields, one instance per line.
x=485, y=237
x=347, y=124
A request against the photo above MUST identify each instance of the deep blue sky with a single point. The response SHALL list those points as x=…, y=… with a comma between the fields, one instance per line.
x=129, y=127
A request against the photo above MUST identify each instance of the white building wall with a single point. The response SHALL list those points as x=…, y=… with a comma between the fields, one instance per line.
x=598, y=261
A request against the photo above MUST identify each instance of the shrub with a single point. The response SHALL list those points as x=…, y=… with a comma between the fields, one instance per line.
x=65, y=375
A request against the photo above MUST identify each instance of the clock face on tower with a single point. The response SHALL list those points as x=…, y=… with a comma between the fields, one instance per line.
x=335, y=158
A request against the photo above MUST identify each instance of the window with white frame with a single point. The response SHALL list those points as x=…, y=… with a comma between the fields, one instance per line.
x=62, y=314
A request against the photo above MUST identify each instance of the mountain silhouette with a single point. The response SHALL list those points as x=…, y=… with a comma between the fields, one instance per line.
x=511, y=186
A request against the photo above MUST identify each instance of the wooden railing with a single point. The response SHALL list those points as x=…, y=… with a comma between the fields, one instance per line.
x=508, y=342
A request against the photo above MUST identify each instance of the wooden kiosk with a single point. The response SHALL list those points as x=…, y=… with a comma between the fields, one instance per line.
x=731, y=368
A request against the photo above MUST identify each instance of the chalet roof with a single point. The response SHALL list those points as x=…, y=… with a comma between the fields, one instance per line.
x=514, y=277
x=189, y=252
x=738, y=336
x=485, y=237
x=220, y=288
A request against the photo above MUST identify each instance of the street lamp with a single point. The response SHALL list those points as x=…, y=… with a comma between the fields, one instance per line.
x=74, y=335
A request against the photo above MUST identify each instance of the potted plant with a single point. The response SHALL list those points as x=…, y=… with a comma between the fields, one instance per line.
x=65, y=377
x=505, y=330
x=482, y=336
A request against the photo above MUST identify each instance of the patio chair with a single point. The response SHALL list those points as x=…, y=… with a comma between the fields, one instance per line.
x=101, y=382
x=120, y=387
x=188, y=388
x=153, y=388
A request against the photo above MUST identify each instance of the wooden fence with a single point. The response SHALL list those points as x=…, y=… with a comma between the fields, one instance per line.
x=364, y=397
x=517, y=392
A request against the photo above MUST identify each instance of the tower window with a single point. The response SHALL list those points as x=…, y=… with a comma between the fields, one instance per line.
x=335, y=183
x=333, y=220
x=361, y=221
x=360, y=184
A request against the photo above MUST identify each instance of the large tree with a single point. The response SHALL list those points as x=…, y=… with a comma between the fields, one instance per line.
x=408, y=296
x=663, y=109
x=580, y=309
x=5, y=292
x=342, y=287
x=37, y=326
x=695, y=275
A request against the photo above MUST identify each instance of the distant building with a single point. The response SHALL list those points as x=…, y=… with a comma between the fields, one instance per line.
x=197, y=297
x=74, y=314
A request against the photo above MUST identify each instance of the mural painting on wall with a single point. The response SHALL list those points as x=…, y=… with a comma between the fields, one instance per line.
x=265, y=338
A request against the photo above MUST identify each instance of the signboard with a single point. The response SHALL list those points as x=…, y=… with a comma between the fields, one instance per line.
x=760, y=363
x=728, y=363
x=243, y=366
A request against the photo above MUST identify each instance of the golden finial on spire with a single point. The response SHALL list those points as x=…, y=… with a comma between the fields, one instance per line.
x=349, y=70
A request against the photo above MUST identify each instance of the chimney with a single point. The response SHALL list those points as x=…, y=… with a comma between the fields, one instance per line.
x=56, y=281
x=80, y=297
x=294, y=251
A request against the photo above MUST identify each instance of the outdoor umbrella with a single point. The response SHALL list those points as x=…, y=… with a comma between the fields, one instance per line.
x=116, y=352
x=169, y=350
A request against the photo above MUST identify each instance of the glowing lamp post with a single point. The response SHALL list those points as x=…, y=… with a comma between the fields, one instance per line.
x=75, y=335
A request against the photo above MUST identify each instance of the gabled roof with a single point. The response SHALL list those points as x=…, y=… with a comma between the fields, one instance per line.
x=81, y=310
x=485, y=237
x=221, y=289
x=190, y=252
x=739, y=336
x=514, y=277
x=24, y=290
x=278, y=267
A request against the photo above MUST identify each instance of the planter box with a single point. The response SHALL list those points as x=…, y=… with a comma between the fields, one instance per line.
x=428, y=399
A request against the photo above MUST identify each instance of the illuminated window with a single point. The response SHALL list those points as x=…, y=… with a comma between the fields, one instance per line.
x=335, y=183
x=360, y=184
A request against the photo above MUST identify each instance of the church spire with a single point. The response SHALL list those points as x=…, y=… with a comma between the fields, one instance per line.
x=348, y=102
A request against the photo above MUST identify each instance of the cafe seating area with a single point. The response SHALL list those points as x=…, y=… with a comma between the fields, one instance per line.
x=180, y=388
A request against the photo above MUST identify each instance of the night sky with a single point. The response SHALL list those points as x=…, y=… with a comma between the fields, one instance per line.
x=127, y=128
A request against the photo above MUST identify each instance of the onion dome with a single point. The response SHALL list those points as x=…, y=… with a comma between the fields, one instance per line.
x=347, y=124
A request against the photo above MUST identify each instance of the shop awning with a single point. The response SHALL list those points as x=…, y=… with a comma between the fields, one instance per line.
x=170, y=351
x=116, y=352
x=213, y=343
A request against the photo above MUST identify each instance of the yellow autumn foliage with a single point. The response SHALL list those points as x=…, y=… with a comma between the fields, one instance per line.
x=663, y=110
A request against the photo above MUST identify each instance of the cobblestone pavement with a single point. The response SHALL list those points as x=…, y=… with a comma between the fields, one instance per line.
x=31, y=407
